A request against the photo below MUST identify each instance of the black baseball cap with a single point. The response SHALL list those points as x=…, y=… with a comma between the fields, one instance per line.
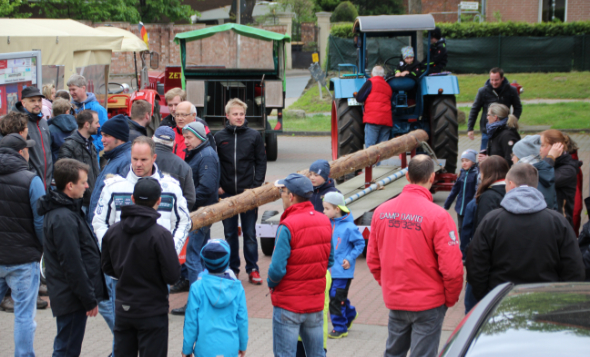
x=147, y=189
x=31, y=92
x=16, y=142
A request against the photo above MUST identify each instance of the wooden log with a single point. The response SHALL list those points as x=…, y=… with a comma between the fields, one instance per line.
x=259, y=196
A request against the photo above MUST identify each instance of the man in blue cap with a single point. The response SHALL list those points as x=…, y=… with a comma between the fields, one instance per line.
x=297, y=273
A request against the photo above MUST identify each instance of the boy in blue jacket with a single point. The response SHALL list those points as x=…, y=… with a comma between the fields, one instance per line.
x=348, y=244
x=216, y=319
x=319, y=173
x=465, y=187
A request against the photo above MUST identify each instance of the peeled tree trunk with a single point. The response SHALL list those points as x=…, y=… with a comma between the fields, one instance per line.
x=259, y=196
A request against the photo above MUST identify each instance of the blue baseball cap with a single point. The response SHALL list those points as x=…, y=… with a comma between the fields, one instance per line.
x=165, y=133
x=297, y=184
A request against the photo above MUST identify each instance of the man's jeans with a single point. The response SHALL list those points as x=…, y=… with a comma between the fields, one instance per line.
x=230, y=228
x=70, y=334
x=23, y=279
x=196, y=241
x=484, y=141
x=287, y=326
x=107, y=307
x=417, y=331
x=375, y=134
x=470, y=300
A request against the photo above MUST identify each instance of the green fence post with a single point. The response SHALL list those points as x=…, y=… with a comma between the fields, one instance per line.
x=499, y=51
x=583, y=52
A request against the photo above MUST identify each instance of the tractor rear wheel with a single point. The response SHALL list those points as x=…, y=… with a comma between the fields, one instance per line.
x=271, y=144
x=445, y=130
x=351, y=133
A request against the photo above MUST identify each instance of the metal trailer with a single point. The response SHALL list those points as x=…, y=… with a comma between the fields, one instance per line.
x=210, y=87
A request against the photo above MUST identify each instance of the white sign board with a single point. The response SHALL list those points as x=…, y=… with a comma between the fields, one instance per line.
x=469, y=5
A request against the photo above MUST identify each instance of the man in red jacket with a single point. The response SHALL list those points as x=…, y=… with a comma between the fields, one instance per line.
x=414, y=255
x=297, y=273
x=376, y=95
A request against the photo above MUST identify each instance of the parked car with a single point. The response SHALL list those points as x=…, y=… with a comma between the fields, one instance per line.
x=549, y=319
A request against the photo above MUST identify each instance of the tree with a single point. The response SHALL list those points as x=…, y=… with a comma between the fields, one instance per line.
x=10, y=8
x=115, y=10
x=379, y=7
x=345, y=12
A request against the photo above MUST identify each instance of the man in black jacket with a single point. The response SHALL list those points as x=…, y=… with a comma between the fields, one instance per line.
x=21, y=237
x=141, y=255
x=496, y=90
x=79, y=146
x=173, y=97
x=242, y=158
x=40, y=159
x=141, y=114
x=72, y=259
x=438, y=52
x=523, y=241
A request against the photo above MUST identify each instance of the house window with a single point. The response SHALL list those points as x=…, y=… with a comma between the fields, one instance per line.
x=547, y=11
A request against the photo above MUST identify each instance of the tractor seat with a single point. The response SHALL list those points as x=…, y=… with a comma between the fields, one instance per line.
x=401, y=83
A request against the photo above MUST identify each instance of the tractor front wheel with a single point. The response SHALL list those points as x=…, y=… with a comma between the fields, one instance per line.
x=350, y=133
x=445, y=130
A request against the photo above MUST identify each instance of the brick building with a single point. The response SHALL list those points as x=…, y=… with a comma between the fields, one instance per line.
x=513, y=10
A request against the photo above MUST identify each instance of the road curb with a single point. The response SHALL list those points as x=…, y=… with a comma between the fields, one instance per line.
x=461, y=132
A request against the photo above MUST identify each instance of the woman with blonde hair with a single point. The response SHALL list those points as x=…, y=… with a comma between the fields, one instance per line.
x=502, y=130
x=554, y=150
x=49, y=93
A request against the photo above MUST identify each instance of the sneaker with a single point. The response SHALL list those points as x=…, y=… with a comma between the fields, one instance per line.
x=41, y=304
x=181, y=286
x=349, y=324
x=335, y=334
x=180, y=311
x=7, y=304
x=255, y=277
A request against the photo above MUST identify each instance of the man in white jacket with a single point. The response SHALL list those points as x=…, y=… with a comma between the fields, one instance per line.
x=117, y=192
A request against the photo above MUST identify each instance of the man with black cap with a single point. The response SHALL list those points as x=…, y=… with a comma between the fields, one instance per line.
x=438, y=52
x=40, y=159
x=297, y=273
x=140, y=254
x=21, y=232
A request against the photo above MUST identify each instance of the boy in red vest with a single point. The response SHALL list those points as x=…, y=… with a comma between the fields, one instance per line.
x=376, y=96
x=297, y=273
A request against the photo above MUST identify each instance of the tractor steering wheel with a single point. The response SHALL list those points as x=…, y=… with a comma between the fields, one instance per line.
x=390, y=68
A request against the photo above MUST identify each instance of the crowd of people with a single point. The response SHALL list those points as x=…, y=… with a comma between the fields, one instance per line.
x=107, y=203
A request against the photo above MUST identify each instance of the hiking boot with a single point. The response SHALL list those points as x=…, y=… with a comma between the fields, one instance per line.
x=41, y=304
x=349, y=324
x=255, y=278
x=180, y=311
x=7, y=304
x=43, y=290
x=335, y=334
x=181, y=286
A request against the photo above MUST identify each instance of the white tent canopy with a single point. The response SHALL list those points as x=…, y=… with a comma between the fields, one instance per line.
x=65, y=43
x=131, y=43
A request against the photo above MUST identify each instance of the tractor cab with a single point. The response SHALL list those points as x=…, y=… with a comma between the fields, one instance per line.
x=425, y=101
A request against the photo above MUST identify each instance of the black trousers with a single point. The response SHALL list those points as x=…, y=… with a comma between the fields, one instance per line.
x=148, y=336
x=70, y=334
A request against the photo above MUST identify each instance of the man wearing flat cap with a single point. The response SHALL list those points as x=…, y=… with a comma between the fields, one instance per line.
x=297, y=273
x=40, y=159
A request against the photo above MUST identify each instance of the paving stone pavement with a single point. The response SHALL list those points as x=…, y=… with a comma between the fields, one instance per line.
x=366, y=338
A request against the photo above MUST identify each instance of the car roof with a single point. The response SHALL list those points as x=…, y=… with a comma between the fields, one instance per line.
x=537, y=319
x=394, y=23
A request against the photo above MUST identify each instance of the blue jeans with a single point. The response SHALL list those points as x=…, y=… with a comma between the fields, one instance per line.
x=230, y=228
x=417, y=331
x=470, y=300
x=196, y=241
x=375, y=134
x=70, y=334
x=341, y=311
x=23, y=279
x=107, y=307
x=484, y=141
x=287, y=326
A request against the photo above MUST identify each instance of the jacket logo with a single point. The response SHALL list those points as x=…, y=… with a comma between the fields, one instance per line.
x=224, y=142
x=453, y=240
x=126, y=307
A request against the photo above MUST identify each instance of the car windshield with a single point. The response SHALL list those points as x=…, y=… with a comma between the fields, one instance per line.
x=537, y=320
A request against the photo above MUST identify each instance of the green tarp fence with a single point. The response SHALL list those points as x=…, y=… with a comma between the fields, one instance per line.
x=478, y=55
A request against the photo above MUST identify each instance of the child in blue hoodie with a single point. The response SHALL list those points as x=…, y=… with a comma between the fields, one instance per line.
x=348, y=244
x=319, y=173
x=465, y=187
x=216, y=319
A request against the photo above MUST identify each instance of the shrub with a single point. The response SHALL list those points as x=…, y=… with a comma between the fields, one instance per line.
x=491, y=29
x=345, y=11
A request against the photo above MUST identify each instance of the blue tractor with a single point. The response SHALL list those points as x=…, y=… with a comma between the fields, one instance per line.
x=431, y=96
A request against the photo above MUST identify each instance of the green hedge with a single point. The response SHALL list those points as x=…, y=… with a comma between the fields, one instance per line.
x=490, y=29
